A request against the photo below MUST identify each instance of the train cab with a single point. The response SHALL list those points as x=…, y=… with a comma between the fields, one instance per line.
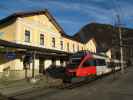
x=86, y=64
x=81, y=65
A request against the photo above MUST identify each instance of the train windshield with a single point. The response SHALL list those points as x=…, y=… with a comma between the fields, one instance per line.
x=75, y=60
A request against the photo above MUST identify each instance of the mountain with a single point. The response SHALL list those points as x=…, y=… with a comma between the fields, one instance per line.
x=103, y=34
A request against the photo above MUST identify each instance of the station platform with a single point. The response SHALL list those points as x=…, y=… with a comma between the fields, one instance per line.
x=11, y=87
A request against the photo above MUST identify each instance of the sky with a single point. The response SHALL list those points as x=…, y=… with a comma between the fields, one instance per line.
x=72, y=15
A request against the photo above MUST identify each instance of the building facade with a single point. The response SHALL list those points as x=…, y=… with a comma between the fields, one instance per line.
x=39, y=30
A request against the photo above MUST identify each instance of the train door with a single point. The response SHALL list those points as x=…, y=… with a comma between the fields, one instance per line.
x=87, y=68
x=100, y=66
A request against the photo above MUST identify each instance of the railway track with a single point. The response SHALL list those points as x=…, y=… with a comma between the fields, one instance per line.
x=81, y=83
x=74, y=85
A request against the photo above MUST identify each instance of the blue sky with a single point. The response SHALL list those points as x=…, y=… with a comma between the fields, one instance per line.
x=74, y=14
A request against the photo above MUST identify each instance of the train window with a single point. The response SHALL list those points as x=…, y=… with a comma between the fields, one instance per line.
x=100, y=62
x=89, y=63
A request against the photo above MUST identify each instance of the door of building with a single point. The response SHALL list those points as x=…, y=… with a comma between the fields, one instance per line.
x=41, y=65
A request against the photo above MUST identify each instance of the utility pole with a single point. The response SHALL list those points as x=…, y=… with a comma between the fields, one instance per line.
x=119, y=24
x=121, y=43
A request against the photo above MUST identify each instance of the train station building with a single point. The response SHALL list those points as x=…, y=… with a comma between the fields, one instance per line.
x=35, y=34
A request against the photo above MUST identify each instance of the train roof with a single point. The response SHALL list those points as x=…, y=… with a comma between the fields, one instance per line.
x=84, y=52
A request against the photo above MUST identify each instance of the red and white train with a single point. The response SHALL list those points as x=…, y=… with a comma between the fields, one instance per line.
x=85, y=64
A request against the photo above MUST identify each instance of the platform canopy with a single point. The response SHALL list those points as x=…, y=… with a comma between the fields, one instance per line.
x=11, y=46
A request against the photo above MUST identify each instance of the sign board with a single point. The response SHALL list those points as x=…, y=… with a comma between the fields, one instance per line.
x=10, y=55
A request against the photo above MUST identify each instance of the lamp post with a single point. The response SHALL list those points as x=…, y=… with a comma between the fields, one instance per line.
x=33, y=79
x=33, y=64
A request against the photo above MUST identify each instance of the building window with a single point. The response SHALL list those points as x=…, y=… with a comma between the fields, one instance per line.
x=68, y=47
x=53, y=42
x=73, y=48
x=27, y=36
x=78, y=48
x=61, y=42
x=41, y=39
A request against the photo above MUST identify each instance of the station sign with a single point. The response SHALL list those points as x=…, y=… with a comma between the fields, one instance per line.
x=10, y=55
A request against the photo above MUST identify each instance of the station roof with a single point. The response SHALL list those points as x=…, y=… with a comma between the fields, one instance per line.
x=31, y=13
x=13, y=17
